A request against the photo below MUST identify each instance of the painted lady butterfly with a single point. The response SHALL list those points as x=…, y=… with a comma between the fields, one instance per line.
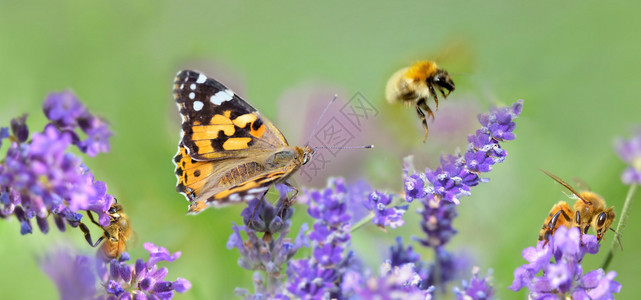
x=228, y=152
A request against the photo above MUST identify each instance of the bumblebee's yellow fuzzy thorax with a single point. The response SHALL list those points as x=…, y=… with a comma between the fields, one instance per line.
x=421, y=70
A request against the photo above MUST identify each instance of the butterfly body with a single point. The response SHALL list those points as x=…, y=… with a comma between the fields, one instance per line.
x=228, y=152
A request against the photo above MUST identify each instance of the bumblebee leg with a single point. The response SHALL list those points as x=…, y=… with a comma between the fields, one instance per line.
x=422, y=103
x=440, y=89
x=433, y=92
x=423, y=119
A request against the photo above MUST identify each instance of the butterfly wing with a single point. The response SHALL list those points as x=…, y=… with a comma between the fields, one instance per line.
x=222, y=182
x=224, y=145
x=217, y=123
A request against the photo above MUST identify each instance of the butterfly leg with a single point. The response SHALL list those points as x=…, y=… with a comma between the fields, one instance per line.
x=289, y=201
x=260, y=201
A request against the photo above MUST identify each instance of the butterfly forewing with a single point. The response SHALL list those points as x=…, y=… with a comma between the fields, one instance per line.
x=217, y=123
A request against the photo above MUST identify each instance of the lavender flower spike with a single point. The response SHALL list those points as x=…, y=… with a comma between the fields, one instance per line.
x=316, y=277
x=41, y=177
x=268, y=254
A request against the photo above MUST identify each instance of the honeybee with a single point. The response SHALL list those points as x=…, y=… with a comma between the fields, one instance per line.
x=589, y=211
x=417, y=83
x=115, y=236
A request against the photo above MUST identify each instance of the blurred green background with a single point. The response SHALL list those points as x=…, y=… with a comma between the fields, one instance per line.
x=574, y=63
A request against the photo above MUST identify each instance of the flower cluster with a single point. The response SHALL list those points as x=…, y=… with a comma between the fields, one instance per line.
x=439, y=190
x=630, y=152
x=319, y=276
x=384, y=215
x=564, y=277
x=84, y=277
x=456, y=174
x=477, y=288
x=67, y=113
x=266, y=254
x=393, y=282
x=41, y=177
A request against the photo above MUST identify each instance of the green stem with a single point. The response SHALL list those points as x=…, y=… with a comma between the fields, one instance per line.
x=625, y=213
x=395, y=202
x=362, y=222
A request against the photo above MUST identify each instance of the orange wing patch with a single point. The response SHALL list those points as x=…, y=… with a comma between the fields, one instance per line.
x=191, y=174
x=236, y=143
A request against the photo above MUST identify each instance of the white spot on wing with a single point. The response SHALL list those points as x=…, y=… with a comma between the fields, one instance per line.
x=257, y=190
x=201, y=78
x=182, y=86
x=198, y=105
x=192, y=95
x=192, y=86
x=234, y=197
x=221, y=97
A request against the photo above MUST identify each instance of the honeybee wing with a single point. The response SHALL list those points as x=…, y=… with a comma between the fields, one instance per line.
x=582, y=185
x=566, y=185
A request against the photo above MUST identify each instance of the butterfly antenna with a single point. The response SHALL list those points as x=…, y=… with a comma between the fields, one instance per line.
x=320, y=118
x=351, y=147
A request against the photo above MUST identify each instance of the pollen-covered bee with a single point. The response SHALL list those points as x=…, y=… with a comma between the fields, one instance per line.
x=115, y=236
x=589, y=211
x=415, y=84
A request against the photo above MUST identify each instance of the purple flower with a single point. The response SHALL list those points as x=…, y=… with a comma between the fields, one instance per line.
x=384, y=216
x=436, y=223
x=83, y=277
x=446, y=267
x=318, y=275
x=630, y=152
x=158, y=254
x=4, y=133
x=266, y=253
x=261, y=216
x=98, y=135
x=260, y=291
x=457, y=174
x=258, y=254
x=63, y=109
x=564, y=276
x=67, y=113
x=394, y=282
x=400, y=255
x=476, y=289
x=415, y=187
x=73, y=275
x=42, y=177
x=19, y=129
